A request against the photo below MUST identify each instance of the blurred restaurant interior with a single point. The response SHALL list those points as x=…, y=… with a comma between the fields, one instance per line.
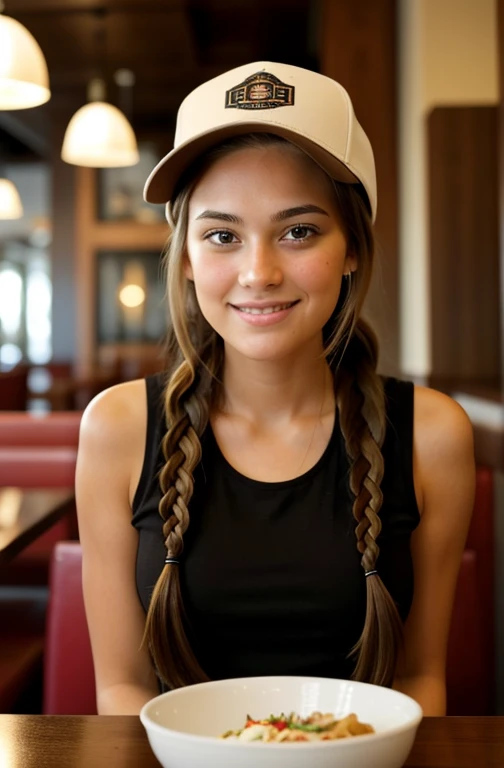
x=82, y=295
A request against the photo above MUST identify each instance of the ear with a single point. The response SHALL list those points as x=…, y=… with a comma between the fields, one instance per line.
x=188, y=271
x=350, y=264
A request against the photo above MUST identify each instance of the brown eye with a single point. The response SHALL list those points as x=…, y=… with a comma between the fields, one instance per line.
x=225, y=237
x=299, y=233
x=221, y=237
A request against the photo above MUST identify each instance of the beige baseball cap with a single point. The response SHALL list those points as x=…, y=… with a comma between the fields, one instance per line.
x=306, y=108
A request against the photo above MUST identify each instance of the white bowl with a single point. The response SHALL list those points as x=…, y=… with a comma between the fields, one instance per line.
x=183, y=726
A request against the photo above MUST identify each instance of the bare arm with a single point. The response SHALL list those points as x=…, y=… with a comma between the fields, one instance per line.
x=111, y=449
x=444, y=473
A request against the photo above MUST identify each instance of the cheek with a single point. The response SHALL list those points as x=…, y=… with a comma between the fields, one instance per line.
x=212, y=277
x=322, y=276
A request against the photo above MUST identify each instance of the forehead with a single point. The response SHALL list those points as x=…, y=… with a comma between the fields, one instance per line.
x=279, y=169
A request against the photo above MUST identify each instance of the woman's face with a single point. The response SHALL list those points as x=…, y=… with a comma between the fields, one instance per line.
x=266, y=251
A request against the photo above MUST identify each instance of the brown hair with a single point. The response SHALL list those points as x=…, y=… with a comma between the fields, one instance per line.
x=196, y=362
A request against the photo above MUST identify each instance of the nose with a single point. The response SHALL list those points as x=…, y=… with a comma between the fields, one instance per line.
x=260, y=267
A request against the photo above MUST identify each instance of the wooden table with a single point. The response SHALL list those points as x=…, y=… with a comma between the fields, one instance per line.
x=36, y=741
x=26, y=513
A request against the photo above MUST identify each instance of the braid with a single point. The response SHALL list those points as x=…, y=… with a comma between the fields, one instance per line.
x=165, y=629
x=361, y=404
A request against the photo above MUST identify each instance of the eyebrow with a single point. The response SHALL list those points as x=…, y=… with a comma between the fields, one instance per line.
x=229, y=217
x=288, y=213
x=299, y=210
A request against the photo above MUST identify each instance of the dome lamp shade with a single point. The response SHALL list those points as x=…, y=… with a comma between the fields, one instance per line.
x=24, y=79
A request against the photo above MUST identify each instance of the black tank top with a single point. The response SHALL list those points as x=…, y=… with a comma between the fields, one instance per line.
x=271, y=576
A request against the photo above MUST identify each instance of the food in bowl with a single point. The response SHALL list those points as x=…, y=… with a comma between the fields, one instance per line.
x=184, y=725
x=288, y=728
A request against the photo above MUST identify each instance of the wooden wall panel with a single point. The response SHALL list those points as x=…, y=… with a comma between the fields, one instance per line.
x=464, y=245
x=358, y=49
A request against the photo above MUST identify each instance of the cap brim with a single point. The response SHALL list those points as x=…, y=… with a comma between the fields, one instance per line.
x=161, y=183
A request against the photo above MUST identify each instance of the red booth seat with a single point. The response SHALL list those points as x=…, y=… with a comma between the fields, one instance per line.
x=27, y=467
x=471, y=645
x=35, y=452
x=20, y=428
x=69, y=686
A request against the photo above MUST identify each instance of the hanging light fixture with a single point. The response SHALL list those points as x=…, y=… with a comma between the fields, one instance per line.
x=24, y=80
x=10, y=202
x=99, y=135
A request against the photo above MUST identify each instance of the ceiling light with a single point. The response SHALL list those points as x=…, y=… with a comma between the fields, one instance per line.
x=99, y=135
x=24, y=80
x=10, y=202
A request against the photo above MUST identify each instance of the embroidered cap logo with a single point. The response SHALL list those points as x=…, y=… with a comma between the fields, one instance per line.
x=260, y=91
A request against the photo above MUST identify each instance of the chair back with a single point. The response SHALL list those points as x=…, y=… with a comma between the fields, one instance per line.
x=69, y=684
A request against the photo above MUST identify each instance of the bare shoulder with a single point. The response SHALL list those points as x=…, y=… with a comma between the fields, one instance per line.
x=441, y=425
x=443, y=443
x=112, y=443
x=117, y=413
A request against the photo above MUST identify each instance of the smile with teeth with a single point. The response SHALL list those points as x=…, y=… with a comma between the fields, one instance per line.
x=265, y=310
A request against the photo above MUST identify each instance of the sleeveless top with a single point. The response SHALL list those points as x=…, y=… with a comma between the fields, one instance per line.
x=271, y=577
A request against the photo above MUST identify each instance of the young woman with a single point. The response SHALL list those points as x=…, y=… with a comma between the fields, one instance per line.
x=270, y=504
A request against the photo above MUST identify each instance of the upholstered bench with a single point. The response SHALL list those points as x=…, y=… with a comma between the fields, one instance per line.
x=35, y=452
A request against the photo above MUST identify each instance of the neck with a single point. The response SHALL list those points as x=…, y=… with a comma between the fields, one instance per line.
x=276, y=391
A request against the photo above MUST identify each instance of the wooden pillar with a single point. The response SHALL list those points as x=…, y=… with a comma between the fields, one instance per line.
x=358, y=49
x=464, y=249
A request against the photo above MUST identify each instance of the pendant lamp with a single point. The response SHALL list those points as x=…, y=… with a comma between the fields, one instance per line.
x=24, y=80
x=99, y=135
x=10, y=202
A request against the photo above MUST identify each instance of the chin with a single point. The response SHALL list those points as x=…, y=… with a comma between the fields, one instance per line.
x=263, y=352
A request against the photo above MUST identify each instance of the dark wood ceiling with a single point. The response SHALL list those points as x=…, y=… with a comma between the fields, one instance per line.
x=170, y=45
